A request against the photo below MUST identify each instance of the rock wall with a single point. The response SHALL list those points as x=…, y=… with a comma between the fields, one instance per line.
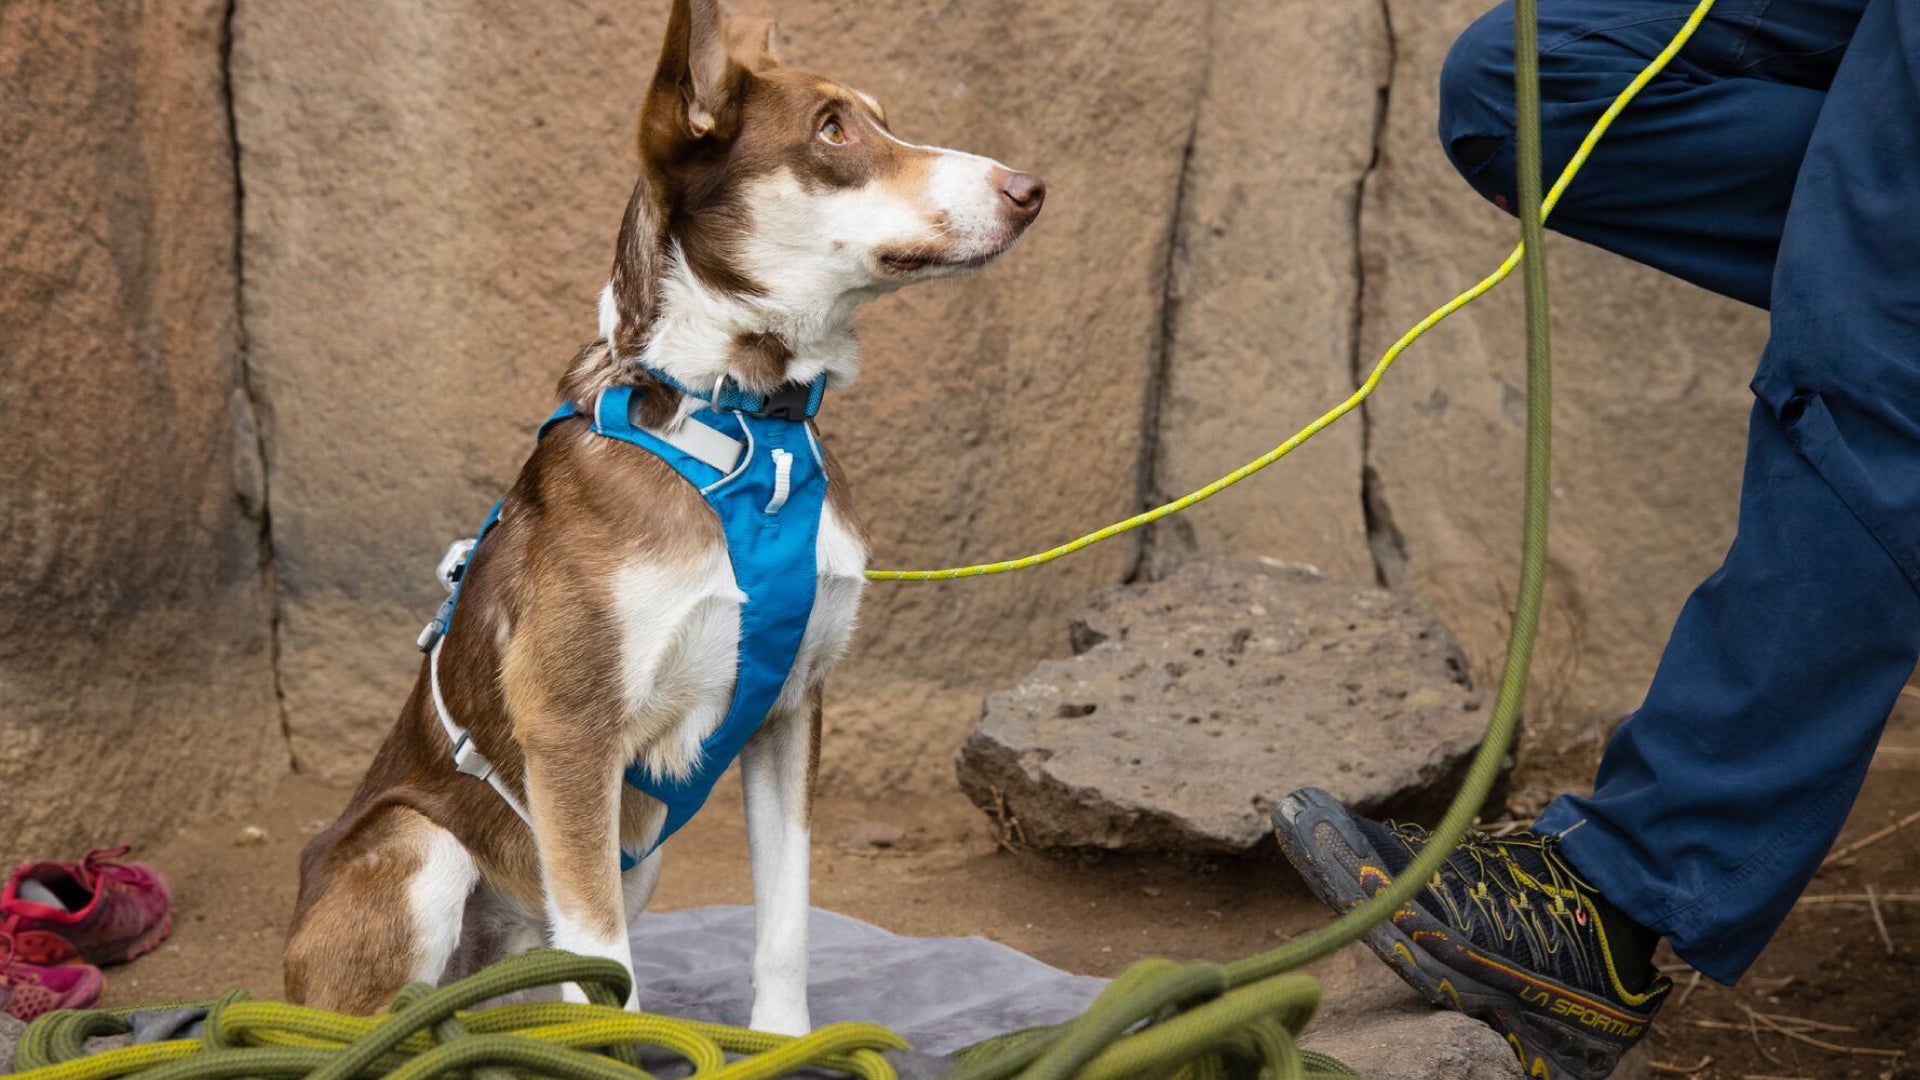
x=1246, y=204
x=1650, y=407
x=1260, y=312
x=136, y=682
x=431, y=199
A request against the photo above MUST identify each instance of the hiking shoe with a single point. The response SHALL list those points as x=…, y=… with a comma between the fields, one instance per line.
x=1506, y=932
x=98, y=910
x=29, y=990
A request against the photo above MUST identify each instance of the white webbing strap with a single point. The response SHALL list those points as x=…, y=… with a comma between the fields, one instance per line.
x=690, y=437
x=466, y=756
x=782, y=479
x=705, y=445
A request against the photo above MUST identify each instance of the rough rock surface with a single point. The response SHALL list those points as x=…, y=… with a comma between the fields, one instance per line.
x=1260, y=321
x=1246, y=205
x=1386, y=1032
x=136, y=686
x=1196, y=701
x=432, y=197
x=1650, y=408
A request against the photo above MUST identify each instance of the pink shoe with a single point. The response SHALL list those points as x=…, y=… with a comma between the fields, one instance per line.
x=29, y=990
x=97, y=909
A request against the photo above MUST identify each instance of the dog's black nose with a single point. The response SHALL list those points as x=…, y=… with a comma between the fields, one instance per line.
x=1024, y=190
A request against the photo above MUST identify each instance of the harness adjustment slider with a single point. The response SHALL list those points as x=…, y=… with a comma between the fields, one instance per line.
x=431, y=633
x=453, y=565
x=468, y=759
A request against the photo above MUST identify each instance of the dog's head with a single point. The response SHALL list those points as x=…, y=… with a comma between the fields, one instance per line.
x=783, y=195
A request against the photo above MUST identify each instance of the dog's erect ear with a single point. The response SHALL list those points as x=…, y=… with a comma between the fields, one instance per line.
x=629, y=304
x=637, y=269
x=696, y=85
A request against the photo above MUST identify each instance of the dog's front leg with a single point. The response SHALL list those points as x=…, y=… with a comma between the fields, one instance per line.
x=777, y=770
x=573, y=794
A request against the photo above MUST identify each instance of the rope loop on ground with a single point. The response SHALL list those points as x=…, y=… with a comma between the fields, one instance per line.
x=429, y=1033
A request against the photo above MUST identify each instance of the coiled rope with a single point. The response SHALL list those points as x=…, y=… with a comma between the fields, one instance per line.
x=427, y=1032
x=1158, y=1019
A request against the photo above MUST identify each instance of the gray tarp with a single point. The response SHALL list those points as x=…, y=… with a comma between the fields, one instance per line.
x=946, y=993
x=941, y=994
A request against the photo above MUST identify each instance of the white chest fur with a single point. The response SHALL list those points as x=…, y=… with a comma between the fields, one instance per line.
x=679, y=630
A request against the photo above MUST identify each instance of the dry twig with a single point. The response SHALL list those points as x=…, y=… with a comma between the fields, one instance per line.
x=1753, y=1029
x=1774, y=1024
x=1879, y=921
x=1873, y=837
x=1663, y=1069
x=1791, y=1021
x=1693, y=983
x=1013, y=835
x=1503, y=827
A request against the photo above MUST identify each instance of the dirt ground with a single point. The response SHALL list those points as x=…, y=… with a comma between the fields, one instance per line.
x=929, y=865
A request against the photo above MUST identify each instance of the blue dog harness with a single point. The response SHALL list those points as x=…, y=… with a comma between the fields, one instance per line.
x=754, y=460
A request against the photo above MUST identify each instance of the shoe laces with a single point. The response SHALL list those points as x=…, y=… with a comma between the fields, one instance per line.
x=1541, y=902
x=105, y=862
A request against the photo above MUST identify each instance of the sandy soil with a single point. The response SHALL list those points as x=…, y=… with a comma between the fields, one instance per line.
x=929, y=865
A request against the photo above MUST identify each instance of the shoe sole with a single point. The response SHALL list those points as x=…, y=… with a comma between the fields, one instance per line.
x=85, y=993
x=1548, y=1049
x=148, y=941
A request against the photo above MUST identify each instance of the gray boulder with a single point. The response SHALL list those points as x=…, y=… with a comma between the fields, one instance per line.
x=1386, y=1032
x=1193, y=702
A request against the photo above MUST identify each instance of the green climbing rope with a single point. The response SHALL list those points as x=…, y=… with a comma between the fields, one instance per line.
x=1148, y=991
x=1158, y=1019
x=428, y=1032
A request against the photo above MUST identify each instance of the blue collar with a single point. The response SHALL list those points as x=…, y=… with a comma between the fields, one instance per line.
x=791, y=401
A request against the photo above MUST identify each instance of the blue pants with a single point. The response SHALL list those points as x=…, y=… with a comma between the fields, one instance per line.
x=1776, y=161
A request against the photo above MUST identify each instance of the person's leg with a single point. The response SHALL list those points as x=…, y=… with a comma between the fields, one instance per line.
x=1695, y=177
x=1716, y=801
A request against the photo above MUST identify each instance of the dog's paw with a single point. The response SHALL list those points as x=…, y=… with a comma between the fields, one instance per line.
x=572, y=994
x=780, y=1021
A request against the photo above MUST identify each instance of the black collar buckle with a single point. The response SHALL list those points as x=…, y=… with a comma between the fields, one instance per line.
x=789, y=402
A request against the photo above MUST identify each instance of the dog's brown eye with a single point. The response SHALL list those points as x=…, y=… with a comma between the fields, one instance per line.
x=832, y=133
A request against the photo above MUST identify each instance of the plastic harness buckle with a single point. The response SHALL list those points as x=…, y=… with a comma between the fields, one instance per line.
x=454, y=563
x=791, y=401
x=453, y=566
x=468, y=759
x=436, y=627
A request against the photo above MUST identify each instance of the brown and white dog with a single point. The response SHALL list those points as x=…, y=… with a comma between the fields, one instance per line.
x=599, y=622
